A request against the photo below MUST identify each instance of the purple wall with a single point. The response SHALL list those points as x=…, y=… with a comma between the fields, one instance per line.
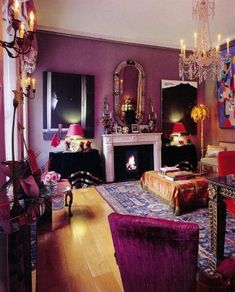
x=100, y=58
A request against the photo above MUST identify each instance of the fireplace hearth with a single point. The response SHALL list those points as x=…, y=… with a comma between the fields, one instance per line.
x=130, y=162
x=126, y=159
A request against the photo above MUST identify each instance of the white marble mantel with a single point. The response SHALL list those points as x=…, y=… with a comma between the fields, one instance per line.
x=112, y=140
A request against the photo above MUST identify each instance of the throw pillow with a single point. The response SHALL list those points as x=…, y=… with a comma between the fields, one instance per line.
x=213, y=150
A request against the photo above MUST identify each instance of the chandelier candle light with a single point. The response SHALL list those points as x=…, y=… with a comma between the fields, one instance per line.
x=204, y=62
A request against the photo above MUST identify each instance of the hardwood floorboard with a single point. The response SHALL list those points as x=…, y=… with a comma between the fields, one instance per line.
x=79, y=256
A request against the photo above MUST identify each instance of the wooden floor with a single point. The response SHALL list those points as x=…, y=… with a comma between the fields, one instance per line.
x=79, y=257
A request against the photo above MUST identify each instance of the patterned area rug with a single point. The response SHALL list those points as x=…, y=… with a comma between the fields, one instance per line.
x=130, y=198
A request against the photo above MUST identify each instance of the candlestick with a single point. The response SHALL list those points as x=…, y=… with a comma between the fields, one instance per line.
x=227, y=46
x=31, y=21
x=33, y=83
x=21, y=32
x=181, y=46
x=195, y=40
x=16, y=9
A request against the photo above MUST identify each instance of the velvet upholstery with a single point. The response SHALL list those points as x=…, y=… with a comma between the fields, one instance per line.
x=155, y=254
x=222, y=280
x=226, y=165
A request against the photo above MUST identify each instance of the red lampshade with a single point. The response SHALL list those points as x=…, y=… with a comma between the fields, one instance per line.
x=75, y=130
x=179, y=128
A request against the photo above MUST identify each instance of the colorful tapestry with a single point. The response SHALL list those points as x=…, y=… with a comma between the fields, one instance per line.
x=226, y=95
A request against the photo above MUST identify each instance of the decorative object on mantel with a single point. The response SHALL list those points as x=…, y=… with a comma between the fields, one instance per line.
x=152, y=118
x=106, y=120
x=205, y=62
x=74, y=135
x=199, y=113
x=129, y=93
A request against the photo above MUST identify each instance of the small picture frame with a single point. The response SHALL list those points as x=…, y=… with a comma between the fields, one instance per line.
x=144, y=128
x=118, y=130
x=135, y=128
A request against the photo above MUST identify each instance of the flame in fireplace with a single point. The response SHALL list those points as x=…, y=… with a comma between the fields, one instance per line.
x=131, y=164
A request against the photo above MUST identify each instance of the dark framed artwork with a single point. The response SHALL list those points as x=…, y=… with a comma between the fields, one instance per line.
x=178, y=99
x=226, y=96
x=67, y=99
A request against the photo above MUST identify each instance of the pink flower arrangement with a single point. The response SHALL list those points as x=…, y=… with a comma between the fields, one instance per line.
x=50, y=177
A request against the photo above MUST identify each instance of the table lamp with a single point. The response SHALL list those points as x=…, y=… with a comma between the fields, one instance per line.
x=179, y=134
x=74, y=134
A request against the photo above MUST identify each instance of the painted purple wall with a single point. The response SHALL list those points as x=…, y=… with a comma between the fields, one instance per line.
x=100, y=58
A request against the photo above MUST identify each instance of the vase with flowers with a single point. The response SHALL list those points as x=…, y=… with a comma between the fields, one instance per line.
x=50, y=178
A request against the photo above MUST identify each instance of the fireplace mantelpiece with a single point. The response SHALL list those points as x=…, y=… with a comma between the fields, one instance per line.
x=112, y=140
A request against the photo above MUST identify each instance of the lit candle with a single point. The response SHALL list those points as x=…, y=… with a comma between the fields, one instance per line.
x=21, y=32
x=33, y=83
x=195, y=40
x=31, y=21
x=28, y=81
x=16, y=9
x=227, y=46
x=181, y=46
x=184, y=49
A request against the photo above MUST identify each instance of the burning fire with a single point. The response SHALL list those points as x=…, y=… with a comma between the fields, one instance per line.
x=131, y=165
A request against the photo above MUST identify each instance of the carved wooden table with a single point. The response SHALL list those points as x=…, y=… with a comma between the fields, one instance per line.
x=219, y=188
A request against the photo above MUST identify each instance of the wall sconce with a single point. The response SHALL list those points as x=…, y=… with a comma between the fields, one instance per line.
x=22, y=39
x=74, y=134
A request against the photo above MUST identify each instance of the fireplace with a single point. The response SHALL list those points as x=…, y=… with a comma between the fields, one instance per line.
x=112, y=148
x=130, y=162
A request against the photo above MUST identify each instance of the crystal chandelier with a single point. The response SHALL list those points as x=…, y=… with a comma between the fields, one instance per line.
x=204, y=62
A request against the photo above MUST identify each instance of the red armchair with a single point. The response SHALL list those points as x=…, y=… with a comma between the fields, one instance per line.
x=226, y=165
x=155, y=254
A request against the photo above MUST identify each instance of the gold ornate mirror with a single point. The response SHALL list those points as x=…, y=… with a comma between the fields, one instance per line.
x=129, y=93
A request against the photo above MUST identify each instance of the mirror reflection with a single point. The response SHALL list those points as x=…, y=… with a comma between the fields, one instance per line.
x=129, y=92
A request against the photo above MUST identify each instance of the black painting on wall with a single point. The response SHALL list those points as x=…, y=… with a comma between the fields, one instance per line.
x=178, y=99
x=67, y=99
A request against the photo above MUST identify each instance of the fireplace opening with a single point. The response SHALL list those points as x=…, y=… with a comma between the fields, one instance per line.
x=130, y=162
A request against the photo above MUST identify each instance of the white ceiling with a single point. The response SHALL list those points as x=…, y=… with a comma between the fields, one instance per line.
x=152, y=22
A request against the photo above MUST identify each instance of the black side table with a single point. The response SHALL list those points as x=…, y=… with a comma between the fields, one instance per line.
x=172, y=155
x=67, y=163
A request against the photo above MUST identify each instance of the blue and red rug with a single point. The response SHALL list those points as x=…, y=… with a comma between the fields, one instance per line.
x=130, y=198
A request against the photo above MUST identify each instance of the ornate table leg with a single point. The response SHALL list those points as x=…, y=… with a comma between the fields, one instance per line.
x=217, y=215
x=70, y=195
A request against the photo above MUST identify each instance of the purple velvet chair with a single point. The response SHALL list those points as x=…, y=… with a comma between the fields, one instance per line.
x=155, y=254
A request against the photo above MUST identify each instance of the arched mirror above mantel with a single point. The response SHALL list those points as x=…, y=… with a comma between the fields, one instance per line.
x=129, y=92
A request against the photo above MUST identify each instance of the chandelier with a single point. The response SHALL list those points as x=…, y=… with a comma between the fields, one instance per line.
x=204, y=62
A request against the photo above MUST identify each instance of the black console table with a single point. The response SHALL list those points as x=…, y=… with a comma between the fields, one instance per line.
x=67, y=163
x=171, y=155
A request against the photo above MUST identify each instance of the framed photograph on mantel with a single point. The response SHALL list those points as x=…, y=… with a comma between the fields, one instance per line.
x=178, y=99
x=135, y=128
